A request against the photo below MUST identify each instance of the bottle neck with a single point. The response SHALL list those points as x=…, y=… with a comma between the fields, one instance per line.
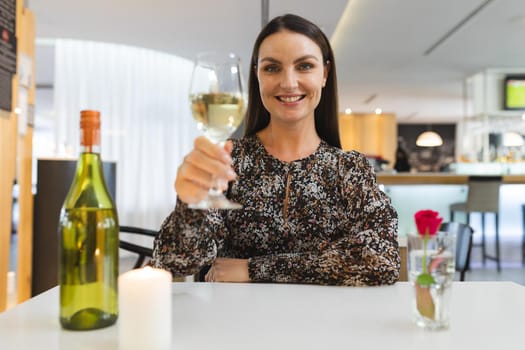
x=89, y=187
x=90, y=140
x=89, y=163
x=89, y=149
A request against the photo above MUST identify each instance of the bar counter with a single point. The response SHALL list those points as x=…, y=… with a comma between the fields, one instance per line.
x=437, y=178
x=411, y=192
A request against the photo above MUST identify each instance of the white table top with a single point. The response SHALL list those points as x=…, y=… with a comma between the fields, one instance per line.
x=485, y=315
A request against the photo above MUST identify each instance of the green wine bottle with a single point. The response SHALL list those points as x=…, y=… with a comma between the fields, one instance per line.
x=88, y=239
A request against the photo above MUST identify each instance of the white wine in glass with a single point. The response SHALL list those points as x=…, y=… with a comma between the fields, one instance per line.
x=218, y=105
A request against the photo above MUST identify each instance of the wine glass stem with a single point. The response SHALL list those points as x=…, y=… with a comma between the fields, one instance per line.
x=219, y=185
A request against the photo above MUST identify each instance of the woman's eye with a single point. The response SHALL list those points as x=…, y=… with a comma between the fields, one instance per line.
x=271, y=68
x=305, y=66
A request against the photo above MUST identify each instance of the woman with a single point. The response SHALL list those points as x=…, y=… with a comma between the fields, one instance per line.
x=311, y=212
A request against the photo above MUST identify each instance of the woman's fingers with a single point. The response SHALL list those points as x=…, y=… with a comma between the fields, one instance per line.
x=192, y=189
x=212, y=150
x=207, y=165
x=228, y=146
x=204, y=162
x=188, y=171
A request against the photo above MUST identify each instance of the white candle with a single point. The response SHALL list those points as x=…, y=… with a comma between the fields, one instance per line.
x=144, y=309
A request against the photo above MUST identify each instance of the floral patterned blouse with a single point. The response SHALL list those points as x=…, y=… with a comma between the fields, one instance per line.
x=321, y=219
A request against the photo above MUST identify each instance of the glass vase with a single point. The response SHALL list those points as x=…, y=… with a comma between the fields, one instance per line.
x=431, y=267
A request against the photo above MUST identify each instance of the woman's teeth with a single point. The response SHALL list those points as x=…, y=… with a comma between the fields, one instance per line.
x=289, y=99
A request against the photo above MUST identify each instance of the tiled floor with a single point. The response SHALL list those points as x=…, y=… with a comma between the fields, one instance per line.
x=512, y=268
x=514, y=274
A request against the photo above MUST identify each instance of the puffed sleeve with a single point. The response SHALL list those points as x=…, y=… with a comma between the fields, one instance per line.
x=366, y=254
x=186, y=241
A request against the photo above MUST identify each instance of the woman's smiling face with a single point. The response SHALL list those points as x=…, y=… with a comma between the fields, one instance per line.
x=291, y=75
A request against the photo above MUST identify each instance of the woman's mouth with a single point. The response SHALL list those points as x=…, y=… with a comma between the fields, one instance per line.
x=290, y=99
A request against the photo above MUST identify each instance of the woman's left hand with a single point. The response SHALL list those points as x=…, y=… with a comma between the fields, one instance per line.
x=228, y=270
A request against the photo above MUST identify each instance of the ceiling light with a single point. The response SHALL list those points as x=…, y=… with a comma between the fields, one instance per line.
x=348, y=111
x=429, y=139
x=379, y=111
x=512, y=139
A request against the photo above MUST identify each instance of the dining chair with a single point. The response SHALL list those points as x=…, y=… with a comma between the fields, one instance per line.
x=463, y=234
x=482, y=197
x=142, y=251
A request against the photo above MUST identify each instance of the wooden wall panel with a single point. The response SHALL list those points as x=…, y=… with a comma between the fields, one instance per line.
x=349, y=133
x=25, y=154
x=370, y=134
x=388, y=141
x=8, y=144
x=7, y=176
x=15, y=163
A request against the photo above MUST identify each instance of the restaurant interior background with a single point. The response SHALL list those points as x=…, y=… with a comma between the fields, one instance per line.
x=430, y=65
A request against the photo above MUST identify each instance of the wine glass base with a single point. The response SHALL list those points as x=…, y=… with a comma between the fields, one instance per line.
x=217, y=202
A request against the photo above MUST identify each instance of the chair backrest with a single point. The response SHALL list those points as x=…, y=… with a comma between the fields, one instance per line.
x=463, y=242
x=483, y=193
x=143, y=252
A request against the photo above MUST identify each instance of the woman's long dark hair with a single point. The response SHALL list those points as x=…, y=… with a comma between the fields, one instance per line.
x=326, y=112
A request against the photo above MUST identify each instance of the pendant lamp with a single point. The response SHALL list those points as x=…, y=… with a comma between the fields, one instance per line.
x=429, y=139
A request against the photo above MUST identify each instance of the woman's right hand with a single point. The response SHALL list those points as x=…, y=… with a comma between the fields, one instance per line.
x=206, y=162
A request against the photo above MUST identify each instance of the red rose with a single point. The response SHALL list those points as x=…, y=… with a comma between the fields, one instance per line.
x=427, y=221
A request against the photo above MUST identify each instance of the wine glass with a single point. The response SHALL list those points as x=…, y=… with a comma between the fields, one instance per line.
x=218, y=104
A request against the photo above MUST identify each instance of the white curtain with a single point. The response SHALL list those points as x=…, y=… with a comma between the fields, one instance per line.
x=146, y=120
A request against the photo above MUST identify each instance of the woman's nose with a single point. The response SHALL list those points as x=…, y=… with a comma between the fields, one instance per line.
x=288, y=79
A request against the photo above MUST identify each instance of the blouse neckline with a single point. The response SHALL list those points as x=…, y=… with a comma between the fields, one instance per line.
x=297, y=162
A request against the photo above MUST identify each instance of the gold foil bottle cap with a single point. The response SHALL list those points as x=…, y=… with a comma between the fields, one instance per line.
x=90, y=127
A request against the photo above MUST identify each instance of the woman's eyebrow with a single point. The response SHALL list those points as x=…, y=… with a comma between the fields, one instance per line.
x=302, y=58
x=269, y=59
x=305, y=57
